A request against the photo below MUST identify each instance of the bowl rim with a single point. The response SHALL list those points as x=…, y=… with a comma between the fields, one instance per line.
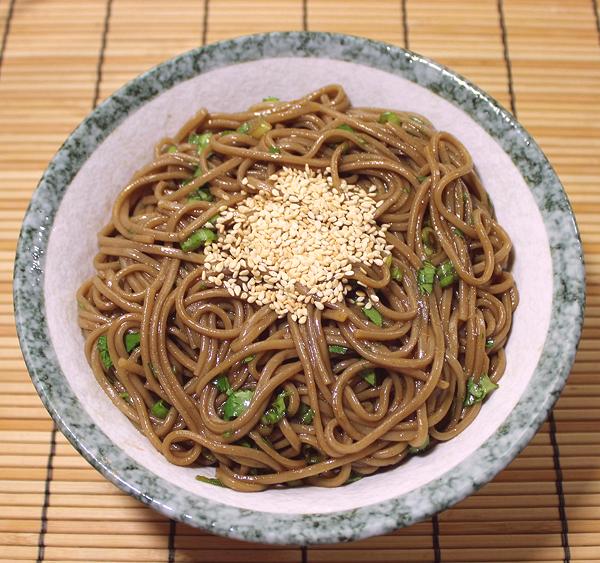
x=550, y=374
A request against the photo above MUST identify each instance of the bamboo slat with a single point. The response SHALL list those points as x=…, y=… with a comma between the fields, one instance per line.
x=48, y=81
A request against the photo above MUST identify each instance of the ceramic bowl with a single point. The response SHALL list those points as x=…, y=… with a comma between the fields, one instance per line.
x=73, y=201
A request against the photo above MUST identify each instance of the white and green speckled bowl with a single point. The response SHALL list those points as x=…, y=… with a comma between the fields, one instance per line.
x=72, y=202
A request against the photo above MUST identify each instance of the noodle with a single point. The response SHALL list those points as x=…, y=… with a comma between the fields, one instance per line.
x=215, y=379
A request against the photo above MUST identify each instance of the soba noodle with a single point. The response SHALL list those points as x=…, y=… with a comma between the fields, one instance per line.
x=212, y=379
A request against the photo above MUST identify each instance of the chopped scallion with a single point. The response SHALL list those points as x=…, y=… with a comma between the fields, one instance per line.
x=370, y=377
x=172, y=149
x=396, y=273
x=458, y=232
x=422, y=178
x=373, y=315
x=305, y=414
x=489, y=343
x=270, y=99
x=125, y=396
x=276, y=411
x=421, y=448
x=345, y=127
x=335, y=349
x=274, y=150
x=132, y=340
x=249, y=358
x=428, y=239
x=199, y=238
x=426, y=277
x=477, y=392
x=202, y=140
x=237, y=402
x=201, y=195
x=446, y=273
x=105, y=358
x=222, y=384
x=209, y=480
x=389, y=117
x=160, y=409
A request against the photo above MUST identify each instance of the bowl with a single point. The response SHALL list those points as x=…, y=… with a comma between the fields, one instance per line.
x=73, y=201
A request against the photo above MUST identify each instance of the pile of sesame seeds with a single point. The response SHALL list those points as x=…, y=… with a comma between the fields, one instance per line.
x=296, y=243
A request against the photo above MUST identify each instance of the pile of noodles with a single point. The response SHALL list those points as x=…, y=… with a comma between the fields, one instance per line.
x=430, y=348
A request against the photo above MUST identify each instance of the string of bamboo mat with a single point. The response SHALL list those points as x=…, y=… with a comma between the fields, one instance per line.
x=540, y=57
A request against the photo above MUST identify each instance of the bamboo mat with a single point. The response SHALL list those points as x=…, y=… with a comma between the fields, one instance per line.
x=539, y=57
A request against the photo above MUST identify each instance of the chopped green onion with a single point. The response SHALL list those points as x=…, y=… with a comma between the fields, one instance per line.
x=396, y=273
x=458, y=232
x=373, y=315
x=312, y=456
x=353, y=477
x=132, y=340
x=427, y=237
x=388, y=260
x=370, y=377
x=222, y=384
x=201, y=195
x=102, y=345
x=477, y=392
x=199, y=238
x=255, y=128
x=160, y=409
x=446, y=273
x=245, y=443
x=422, y=178
x=345, y=127
x=276, y=411
x=227, y=132
x=389, y=117
x=421, y=448
x=335, y=349
x=249, y=358
x=237, y=402
x=209, y=480
x=489, y=343
x=172, y=149
x=270, y=99
x=305, y=414
x=426, y=277
x=125, y=396
x=274, y=150
x=202, y=140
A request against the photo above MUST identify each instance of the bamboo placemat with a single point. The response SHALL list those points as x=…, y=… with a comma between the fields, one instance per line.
x=539, y=57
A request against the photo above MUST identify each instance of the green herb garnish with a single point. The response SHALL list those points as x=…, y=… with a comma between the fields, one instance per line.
x=305, y=414
x=249, y=358
x=132, y=340
x=102, y=345
x=373, y=315
x=489, y=343
x=389, y=117
x=222, y=384
x=477, y=392
x=396, y=273
x=276, y=411
x=370, y=377
x=160, y=409
x=243, y=128
x=125, y=396
x=201, y=195
x=199, y=238
x=202, y=140
x=426, y=277
x=274, y=150
x=446, y=273
x=458, y=232
x=421, y=448
x=422, y=178
x=237, y=402
x=427, y=238
x=353, y=477
x=209, y=480
x=335, y=349
x=270, y=99
x=345, y=127
x=172, y=149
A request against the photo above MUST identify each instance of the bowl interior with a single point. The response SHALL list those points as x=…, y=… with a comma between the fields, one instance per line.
x=86, y=208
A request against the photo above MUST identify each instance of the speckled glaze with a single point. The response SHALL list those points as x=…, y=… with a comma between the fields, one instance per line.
x=517, y=429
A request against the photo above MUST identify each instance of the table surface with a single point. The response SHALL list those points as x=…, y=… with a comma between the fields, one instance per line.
x=541, y=59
